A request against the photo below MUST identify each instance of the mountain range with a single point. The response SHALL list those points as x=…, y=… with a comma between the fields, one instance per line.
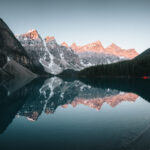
x=97, y=48
x=45, y=57
x=56, y=58
x=136, y=67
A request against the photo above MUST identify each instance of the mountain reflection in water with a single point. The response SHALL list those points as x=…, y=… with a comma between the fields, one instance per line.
x=44, y=96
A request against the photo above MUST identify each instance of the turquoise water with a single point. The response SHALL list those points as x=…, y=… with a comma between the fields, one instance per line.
x=74, y=115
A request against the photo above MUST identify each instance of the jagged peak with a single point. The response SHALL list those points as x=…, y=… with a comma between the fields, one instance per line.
x=94, y=46
x=32, y=30
x=49, y=38
x=114, y=46
x=64, y=44
x=132, y=50
x=73, y=44
x=97, y=44
x=118, y=51
x=32, y=34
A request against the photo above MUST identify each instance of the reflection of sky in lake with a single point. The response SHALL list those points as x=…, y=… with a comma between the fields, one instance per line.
x=80, y=127
x=64, y=115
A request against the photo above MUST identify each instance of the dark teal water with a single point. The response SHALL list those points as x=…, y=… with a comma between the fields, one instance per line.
x=61, y=114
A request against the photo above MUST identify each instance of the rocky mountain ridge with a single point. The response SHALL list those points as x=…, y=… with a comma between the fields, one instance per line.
x=97, y=47
x=46, y=57
x=55, y=58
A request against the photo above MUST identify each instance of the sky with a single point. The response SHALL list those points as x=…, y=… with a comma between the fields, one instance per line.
x=123, y=22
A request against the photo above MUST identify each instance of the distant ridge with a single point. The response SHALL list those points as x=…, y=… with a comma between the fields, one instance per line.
x=137, y=67
x=112, y=49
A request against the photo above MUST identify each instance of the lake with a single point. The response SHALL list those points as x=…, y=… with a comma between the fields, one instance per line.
x=75, y=114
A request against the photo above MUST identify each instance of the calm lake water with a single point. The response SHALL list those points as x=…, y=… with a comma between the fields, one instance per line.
x=60, y=114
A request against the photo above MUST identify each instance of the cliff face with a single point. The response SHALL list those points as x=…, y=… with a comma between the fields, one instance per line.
x=53, y=57
x=33, y=44
x=11, y=48
x=3, y=59
x=93, y=58
x=59, y=58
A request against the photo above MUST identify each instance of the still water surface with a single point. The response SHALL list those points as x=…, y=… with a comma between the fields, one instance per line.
x=59, y=114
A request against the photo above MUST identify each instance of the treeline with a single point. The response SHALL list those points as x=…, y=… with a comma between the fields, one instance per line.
x=137, y=67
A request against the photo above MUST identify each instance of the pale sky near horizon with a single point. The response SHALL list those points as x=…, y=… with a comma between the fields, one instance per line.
x=123, y=22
